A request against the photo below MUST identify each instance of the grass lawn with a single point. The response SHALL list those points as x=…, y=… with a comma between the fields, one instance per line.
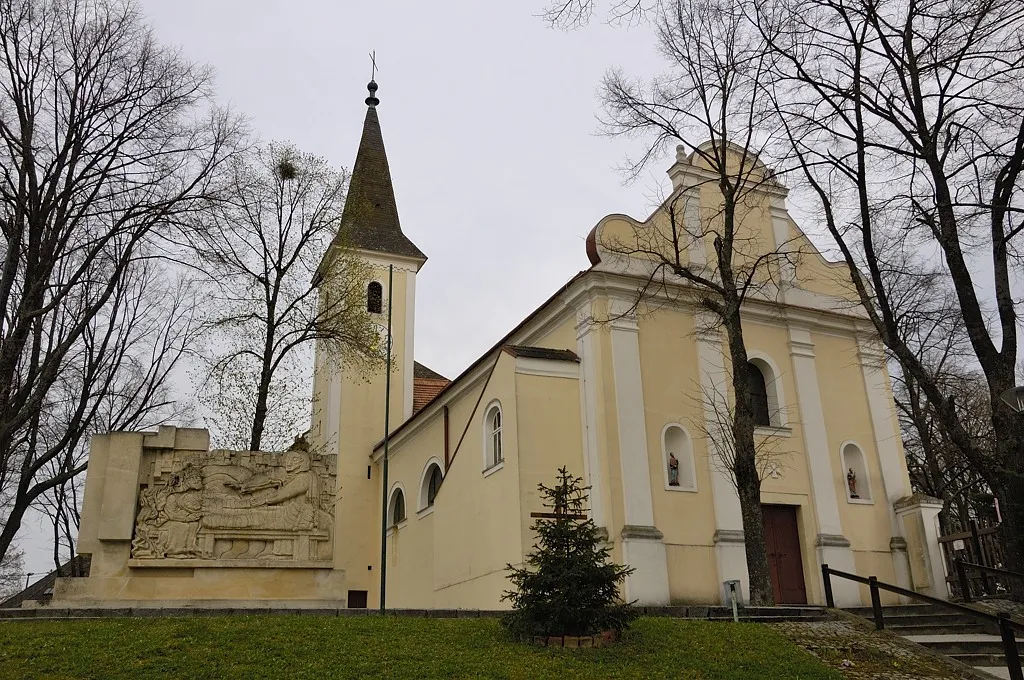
x=315, y=647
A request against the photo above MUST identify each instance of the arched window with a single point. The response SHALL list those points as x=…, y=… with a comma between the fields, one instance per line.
x=855, y=473
x=396, y=508
x=758, y=388
x=374, y=297
x=430, y=483
x=493, y=454
x=766, y=391
x=677, y=453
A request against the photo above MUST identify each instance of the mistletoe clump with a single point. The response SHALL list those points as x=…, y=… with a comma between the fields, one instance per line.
x=567, y=585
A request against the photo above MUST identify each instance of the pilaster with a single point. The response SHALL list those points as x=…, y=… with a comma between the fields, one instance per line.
x=918, y=516
x=641, y=541
x=586, y=348
x=831, y=547
x=895, y=482
x=730, y=549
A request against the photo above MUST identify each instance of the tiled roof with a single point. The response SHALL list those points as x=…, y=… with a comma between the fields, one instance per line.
x=421, y=371
x=370, y=219
x=424, y=390
x=541, y=353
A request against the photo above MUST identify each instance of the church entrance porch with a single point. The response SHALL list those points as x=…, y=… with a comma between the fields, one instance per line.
x=782, y=540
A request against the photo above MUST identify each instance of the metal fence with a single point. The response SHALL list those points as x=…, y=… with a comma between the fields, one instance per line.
x=977, y=545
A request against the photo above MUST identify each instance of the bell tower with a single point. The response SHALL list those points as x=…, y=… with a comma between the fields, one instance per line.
x=348, y=411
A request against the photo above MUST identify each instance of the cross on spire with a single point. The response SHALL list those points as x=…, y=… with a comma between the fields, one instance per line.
x=372, y=100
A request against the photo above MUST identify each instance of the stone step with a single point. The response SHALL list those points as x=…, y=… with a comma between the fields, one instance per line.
x=769, y=619
x=979, y=660
x=1001, y=672
x=938, y=619
x=899, y=610
x=716, y=613
x=936, y=628
x=963, y=643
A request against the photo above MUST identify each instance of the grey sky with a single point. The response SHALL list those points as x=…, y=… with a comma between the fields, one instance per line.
x=489, y=120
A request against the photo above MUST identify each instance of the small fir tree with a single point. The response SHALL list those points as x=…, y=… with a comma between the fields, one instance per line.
x=567, y=586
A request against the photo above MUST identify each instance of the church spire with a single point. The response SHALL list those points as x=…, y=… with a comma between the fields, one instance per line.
x=370, y=219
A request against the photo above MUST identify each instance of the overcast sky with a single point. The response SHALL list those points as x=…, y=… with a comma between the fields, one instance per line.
x=488, y=117
x=489, y=121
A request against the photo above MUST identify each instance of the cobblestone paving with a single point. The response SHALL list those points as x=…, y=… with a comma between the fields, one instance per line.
x=860, y=654
x=996, y=605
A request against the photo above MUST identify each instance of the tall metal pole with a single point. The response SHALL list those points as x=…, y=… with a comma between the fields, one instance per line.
x=387, y=432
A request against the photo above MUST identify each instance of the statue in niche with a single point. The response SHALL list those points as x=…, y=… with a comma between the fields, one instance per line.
x=851, y=482
x=673, y=470
x=266, y=501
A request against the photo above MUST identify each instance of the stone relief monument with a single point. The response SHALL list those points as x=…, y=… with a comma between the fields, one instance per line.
x=167, y=520
x=235, y=505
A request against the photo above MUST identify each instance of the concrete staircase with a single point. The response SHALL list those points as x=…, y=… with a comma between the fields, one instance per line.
x=958, y=636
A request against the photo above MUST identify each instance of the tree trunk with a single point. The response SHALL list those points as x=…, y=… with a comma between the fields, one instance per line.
x=14, y=519
x=259, y=419
x=1010, y=492
x=748, y=482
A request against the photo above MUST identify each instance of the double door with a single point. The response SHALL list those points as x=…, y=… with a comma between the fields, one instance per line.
x=782, y=539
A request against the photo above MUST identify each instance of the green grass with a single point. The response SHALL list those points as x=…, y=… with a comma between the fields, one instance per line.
x=255, y=647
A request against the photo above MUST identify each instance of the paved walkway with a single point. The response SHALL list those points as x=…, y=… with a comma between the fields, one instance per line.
x=860, y=654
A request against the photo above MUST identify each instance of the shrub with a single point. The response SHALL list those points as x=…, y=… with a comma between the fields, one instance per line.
x=567, y=586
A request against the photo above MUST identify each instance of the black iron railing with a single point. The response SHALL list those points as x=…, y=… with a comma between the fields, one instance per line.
x=963, y=567
x=1007, y=626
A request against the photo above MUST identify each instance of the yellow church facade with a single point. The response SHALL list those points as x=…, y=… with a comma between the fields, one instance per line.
x=626, y=391
x=619, y=393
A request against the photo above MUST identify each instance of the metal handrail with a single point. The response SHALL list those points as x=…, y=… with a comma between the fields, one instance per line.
x=992, y=570
x=965, y=584
x=1002, y=619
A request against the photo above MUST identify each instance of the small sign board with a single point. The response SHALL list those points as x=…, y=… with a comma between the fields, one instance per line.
x=959, y=544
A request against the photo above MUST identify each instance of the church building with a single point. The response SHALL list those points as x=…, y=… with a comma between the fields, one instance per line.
x=626, y=391
x=620, y=397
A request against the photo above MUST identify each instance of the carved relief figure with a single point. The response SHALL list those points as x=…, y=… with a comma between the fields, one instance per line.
x=168, y=518
x=851, y=482
x=182, y=510
x=237, y=505
x=289, y=502
x=673, y=470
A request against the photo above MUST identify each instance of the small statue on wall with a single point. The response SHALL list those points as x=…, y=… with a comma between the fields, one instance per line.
x=851, y=482
x=673, y=470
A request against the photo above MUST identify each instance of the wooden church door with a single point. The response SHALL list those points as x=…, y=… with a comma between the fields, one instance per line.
x=782, y=540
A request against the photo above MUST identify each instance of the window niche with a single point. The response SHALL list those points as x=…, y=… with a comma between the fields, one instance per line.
x=855, y=474
x=677, y=456
x=396, y=508
x=374, y=297
x=762, y=382
x=431, y=482
x=493, y=451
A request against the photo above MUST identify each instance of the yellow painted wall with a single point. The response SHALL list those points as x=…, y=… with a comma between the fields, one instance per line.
x=550, y=436
x=361, y=427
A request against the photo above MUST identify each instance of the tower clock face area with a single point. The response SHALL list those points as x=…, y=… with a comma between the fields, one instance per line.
x=382, y=332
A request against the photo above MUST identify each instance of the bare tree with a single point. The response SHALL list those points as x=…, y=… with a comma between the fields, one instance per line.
x=712, y=93
x=907, y=121
x=107, y=139
x=117, y=378
x=278, y=281
x=929, y=320
x=717, y=430
x=12, y=572
x=576, y=13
